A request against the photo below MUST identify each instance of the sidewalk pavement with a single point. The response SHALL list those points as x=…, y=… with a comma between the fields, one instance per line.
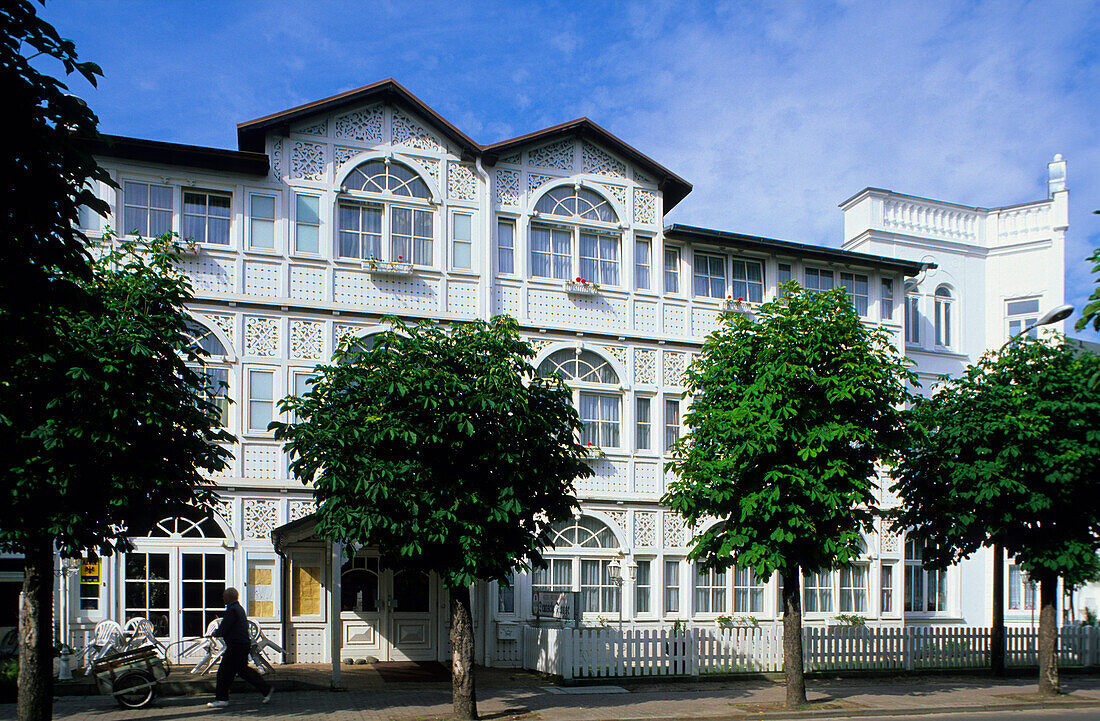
x=509, y=695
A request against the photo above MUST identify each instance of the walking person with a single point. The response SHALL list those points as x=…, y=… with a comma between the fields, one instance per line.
x=234, y=662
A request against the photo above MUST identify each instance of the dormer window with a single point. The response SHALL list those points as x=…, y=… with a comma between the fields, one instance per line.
x=575, y=234
x=385, y=215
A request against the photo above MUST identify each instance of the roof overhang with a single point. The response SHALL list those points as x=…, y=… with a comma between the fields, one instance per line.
x=692, y=234
x=301, y=529
x=673, y=187
x=192, y=156
x=251, y=134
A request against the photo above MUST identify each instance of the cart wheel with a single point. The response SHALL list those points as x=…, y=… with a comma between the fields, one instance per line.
x=131, y=690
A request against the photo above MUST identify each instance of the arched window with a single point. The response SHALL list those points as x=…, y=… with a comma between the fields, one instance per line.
x=944, y=309
x=385, y=214
x=214, y=370
x=575, y=218
x=584, y=549
x=359, y=585
x=191, y=525
x=598, y=406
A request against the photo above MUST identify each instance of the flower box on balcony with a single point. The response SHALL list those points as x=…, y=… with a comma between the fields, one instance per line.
x=581, y=287
x=188, y=248
x=388, y=267
x=739, y=305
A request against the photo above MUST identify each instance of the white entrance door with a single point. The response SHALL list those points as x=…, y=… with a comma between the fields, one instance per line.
x=386, y=614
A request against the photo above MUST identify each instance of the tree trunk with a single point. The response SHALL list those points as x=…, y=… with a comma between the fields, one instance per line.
x=792, y=640
x=463, y=694
x=1048, y=635
x=997, y=632
x=36, y=634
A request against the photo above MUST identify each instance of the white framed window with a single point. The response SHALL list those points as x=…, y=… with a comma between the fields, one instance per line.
x=925, y=589
x=306, y=586
x=214, y=370
x=672, y=587
x=912, y=315
x=598, y=593
x=643, y=588
x=261, y=221
x=748, y=280
x=853, y=588
x=1021, y=313
x=506, y=246
x=146, y=209
x=748, y=591
x=506, y=598
x=886, y=299
x=462, y=241
x=709, y=274
x=642, y=423
x=1022, y=591
x=385, y=213
x=886, y=588
x=818, y=280
x=710, y=591
x=672, y=270
x=307, y=224
x=299, y=384
x=783, y=274
x=557, y=576
x=818, y=591
x=583, y=221
x=598, y=405
x=206, y=217
x=261, y=399
x=944, y=322
x=672, y=423
x=855, y=287
x=642, y=249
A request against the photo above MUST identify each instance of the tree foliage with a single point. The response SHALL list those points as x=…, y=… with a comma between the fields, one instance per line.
x=790, y=414
x=1009, y=452
x=440, y=447
x=113, y=432
x=1091, y=312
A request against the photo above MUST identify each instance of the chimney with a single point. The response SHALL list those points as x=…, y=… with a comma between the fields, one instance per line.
x=1056, y=170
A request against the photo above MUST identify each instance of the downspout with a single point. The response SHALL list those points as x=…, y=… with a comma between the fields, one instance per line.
x=487, y=275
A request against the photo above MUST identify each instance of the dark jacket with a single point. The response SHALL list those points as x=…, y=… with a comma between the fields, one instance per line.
x=234, y=625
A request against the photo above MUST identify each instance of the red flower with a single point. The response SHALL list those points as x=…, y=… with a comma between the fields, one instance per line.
x=401, y=257
x=590, y=443
x=739, y=299
x=729, y=297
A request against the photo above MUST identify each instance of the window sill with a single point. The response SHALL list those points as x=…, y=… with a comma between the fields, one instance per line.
x=465, y=273
x=263, y=253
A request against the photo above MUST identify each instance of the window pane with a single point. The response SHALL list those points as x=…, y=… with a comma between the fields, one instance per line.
x=506, y=246
x=263, y=206
x=262, y=233
x=308, y=208
x=641, y=264
x=641, y=420
x=672, y=270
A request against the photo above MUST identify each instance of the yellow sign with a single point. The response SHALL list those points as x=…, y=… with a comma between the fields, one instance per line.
x=89, y=572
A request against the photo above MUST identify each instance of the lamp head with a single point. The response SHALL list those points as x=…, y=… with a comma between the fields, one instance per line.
x=1056, y=314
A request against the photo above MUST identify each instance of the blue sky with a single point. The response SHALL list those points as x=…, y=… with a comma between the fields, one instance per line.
x=775, y=111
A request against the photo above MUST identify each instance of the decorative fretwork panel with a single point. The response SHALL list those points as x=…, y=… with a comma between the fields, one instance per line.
x=318, y=128
x=261, y=337
x=412, y=134
x=306, y=339
x=277, y=160
x=620, y=519
x=357, y=288
x=645, y=529
x=340, y=332
x=513, y=159
x=508, y=187
x=617, y=192
x=539, y=344
x=261, y=461
x=341, y=155
x=645, y=366
x=462, y=298
x=674, y=363
x=212, y=274
x=461, y=182
x=645, y=317
x=557, y=155
x=639, y=178
x=674, y=536
x=261, y=279
x=616, y=352
x=260, y=518
x=226, y=324
x=307, y=161
x=363, y=125
x=224, y=508
x=299, y=509
x=645, y=206
x=597, y=162
x=307, y=283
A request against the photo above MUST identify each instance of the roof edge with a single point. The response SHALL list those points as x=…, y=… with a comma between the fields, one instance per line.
x=196, y=156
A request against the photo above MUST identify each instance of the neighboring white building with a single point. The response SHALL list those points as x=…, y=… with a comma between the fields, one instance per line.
x=336, y=213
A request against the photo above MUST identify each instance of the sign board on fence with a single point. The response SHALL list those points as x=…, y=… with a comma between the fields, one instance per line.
x=554, y=604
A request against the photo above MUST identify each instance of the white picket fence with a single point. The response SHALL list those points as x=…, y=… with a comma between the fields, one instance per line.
x=608, y=653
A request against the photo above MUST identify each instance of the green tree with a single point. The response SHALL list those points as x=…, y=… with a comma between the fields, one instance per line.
x=103, y=435
x=445, y=451
x=1091, y=312
x=1007, y=453
x=791, y=413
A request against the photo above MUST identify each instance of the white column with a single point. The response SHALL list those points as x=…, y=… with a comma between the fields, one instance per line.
x=335, y=625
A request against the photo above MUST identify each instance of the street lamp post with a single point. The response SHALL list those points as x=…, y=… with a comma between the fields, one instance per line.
x=997, y=634
x=615, y=570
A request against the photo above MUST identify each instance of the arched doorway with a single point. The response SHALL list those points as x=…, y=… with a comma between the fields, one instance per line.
x=175, y=577
x=387, y=614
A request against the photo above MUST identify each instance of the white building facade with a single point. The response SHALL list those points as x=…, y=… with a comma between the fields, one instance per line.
x=337, y=213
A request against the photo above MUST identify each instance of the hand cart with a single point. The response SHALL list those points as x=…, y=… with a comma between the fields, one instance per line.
x=131, y=676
